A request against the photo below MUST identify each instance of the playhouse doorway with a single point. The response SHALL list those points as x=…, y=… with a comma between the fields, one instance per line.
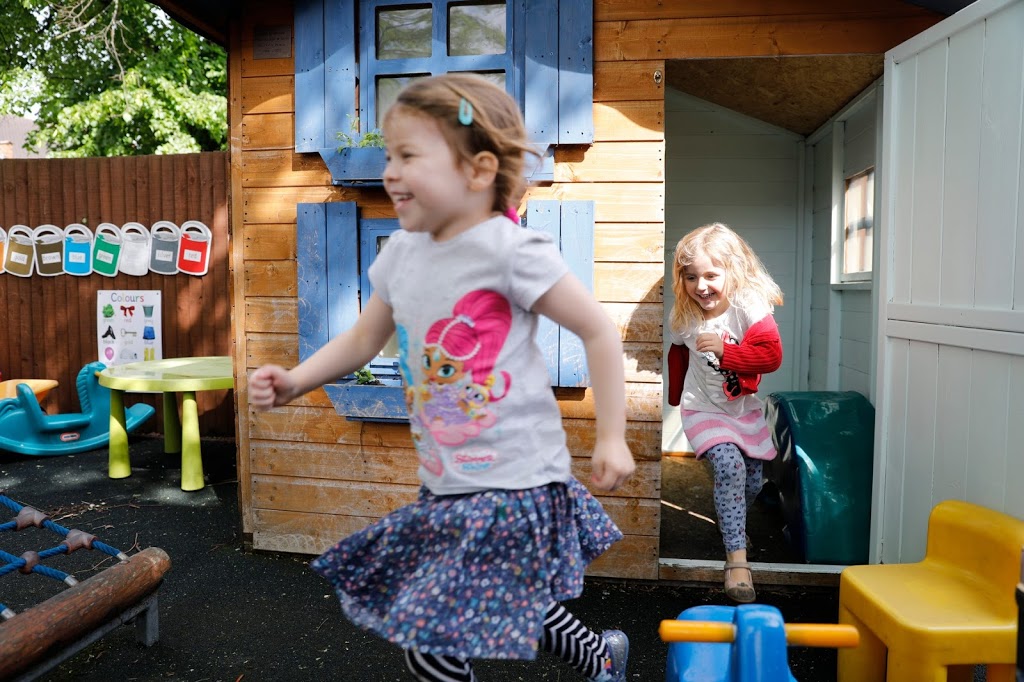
x=736, y=134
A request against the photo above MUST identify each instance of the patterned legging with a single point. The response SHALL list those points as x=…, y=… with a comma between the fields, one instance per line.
x=564, y=636
x=738, y=480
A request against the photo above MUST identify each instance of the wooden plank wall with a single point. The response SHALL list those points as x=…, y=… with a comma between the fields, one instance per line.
x=308, y=476
x=50, y=322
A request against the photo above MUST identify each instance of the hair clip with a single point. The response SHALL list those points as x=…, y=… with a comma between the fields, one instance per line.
x=465, y=112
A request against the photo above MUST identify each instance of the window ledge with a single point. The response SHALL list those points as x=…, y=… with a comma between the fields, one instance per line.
x=852, y=286
x=363, y=402
x=355, y=166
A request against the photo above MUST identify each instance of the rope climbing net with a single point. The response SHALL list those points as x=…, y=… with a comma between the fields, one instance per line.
x=30, y=562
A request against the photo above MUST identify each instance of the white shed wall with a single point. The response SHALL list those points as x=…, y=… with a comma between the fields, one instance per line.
x=841, y=315
x=951, y=320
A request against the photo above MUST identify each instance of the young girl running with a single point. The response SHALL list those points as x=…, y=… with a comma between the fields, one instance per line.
x=502, y=531
x=723, y=338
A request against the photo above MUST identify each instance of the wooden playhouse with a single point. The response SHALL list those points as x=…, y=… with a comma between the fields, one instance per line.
x=654, y=117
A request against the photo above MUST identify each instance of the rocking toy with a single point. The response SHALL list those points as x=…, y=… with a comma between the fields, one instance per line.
x=746, y=643
x=27, y=430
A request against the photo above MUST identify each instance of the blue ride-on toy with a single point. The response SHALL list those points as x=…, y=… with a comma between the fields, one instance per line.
x=746, y=643
x=27, y=430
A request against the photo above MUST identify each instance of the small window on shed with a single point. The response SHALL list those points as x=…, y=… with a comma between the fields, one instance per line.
x=859, y=222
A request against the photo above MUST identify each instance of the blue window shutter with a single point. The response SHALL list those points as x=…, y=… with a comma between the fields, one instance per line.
x=571, y=225
x=342, y=267
x=559, y=59
x=341, y=73
x=544, y=216
x=577, y=243
x=575, y=72
x=311, y=257
x=328, y=271
x=540, y=109
x=309, y=75
x=325, y=73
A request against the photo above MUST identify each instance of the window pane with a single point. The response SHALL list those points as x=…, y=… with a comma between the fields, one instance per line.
x=496, y=77
x=404, y=33
x=859, y=221
x=387, y=92
x=477, y=28
x=390, y=349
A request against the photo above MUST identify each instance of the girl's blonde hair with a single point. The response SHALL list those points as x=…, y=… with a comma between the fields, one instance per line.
x=747, y=280
x=494, y=125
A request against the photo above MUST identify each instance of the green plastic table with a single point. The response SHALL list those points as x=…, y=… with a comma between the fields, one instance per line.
x=168, y=376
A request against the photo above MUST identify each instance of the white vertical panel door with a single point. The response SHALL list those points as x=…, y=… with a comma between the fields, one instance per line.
x=950, y=371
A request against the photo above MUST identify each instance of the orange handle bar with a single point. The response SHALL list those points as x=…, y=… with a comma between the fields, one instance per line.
x=797, y=634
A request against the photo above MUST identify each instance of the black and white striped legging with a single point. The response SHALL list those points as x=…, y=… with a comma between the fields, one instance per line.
x=564, y=636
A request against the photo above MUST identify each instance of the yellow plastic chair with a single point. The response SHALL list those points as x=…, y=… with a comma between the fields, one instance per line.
x=931, y=621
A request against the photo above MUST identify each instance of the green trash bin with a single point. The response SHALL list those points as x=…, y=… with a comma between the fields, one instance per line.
x=823, y=471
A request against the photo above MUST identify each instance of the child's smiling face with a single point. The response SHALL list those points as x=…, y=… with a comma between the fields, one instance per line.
x=428, y=185
x=707, y=283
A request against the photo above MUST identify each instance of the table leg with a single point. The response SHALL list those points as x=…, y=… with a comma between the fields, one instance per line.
x=191, y=456
x=172, y=425
x=119, y=465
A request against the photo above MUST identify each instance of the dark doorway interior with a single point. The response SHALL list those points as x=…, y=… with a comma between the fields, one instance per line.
x=689, y=525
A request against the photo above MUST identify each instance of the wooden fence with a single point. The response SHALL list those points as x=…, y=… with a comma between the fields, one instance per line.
x=49, y=323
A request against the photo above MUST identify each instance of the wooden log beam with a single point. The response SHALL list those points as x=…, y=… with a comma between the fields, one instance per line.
x=57, y=622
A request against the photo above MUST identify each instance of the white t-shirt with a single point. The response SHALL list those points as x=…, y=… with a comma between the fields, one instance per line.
x=702, y=387
x=481, y=408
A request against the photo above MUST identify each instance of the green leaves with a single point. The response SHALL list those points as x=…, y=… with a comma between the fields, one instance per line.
x=108, y=78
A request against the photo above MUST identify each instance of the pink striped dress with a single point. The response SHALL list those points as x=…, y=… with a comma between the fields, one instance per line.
x=709, y=417
x=749, y=432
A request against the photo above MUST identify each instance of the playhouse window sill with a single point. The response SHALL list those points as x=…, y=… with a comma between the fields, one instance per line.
x=355, y=166
x=852, y=286
x=364, y=402
x=364, y=166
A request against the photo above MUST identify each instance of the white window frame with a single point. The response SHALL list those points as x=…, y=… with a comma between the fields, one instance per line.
x=842, y=238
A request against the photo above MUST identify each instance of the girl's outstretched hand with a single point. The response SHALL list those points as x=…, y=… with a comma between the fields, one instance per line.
x=612, y=464
x=271, y=386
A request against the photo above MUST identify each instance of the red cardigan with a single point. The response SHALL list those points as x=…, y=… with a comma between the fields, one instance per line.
x=760, y=352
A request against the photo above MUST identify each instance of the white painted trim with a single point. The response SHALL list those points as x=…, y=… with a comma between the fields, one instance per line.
x=973, y=13
x=884, y=166
x=833, y=351
x=876, y=256
x=769, y=567
x=1007, y=343
x=852, y=286
x=950, y=316
x=802, y=276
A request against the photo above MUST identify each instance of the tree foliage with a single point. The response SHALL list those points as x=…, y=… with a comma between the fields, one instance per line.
x=111, y=78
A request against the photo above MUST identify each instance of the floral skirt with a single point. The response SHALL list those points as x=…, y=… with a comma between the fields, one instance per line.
x=470, y=575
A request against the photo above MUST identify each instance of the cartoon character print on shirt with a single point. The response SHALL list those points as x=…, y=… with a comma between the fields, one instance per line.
x=427, y=451
x=731, y=385
x=456, y=400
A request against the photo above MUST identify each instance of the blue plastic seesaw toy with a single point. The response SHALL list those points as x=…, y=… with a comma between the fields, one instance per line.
x=27, y=430
x=741, y=643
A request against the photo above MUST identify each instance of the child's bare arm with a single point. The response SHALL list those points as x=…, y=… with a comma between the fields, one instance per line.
x=569, y=304
x=272, y=385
